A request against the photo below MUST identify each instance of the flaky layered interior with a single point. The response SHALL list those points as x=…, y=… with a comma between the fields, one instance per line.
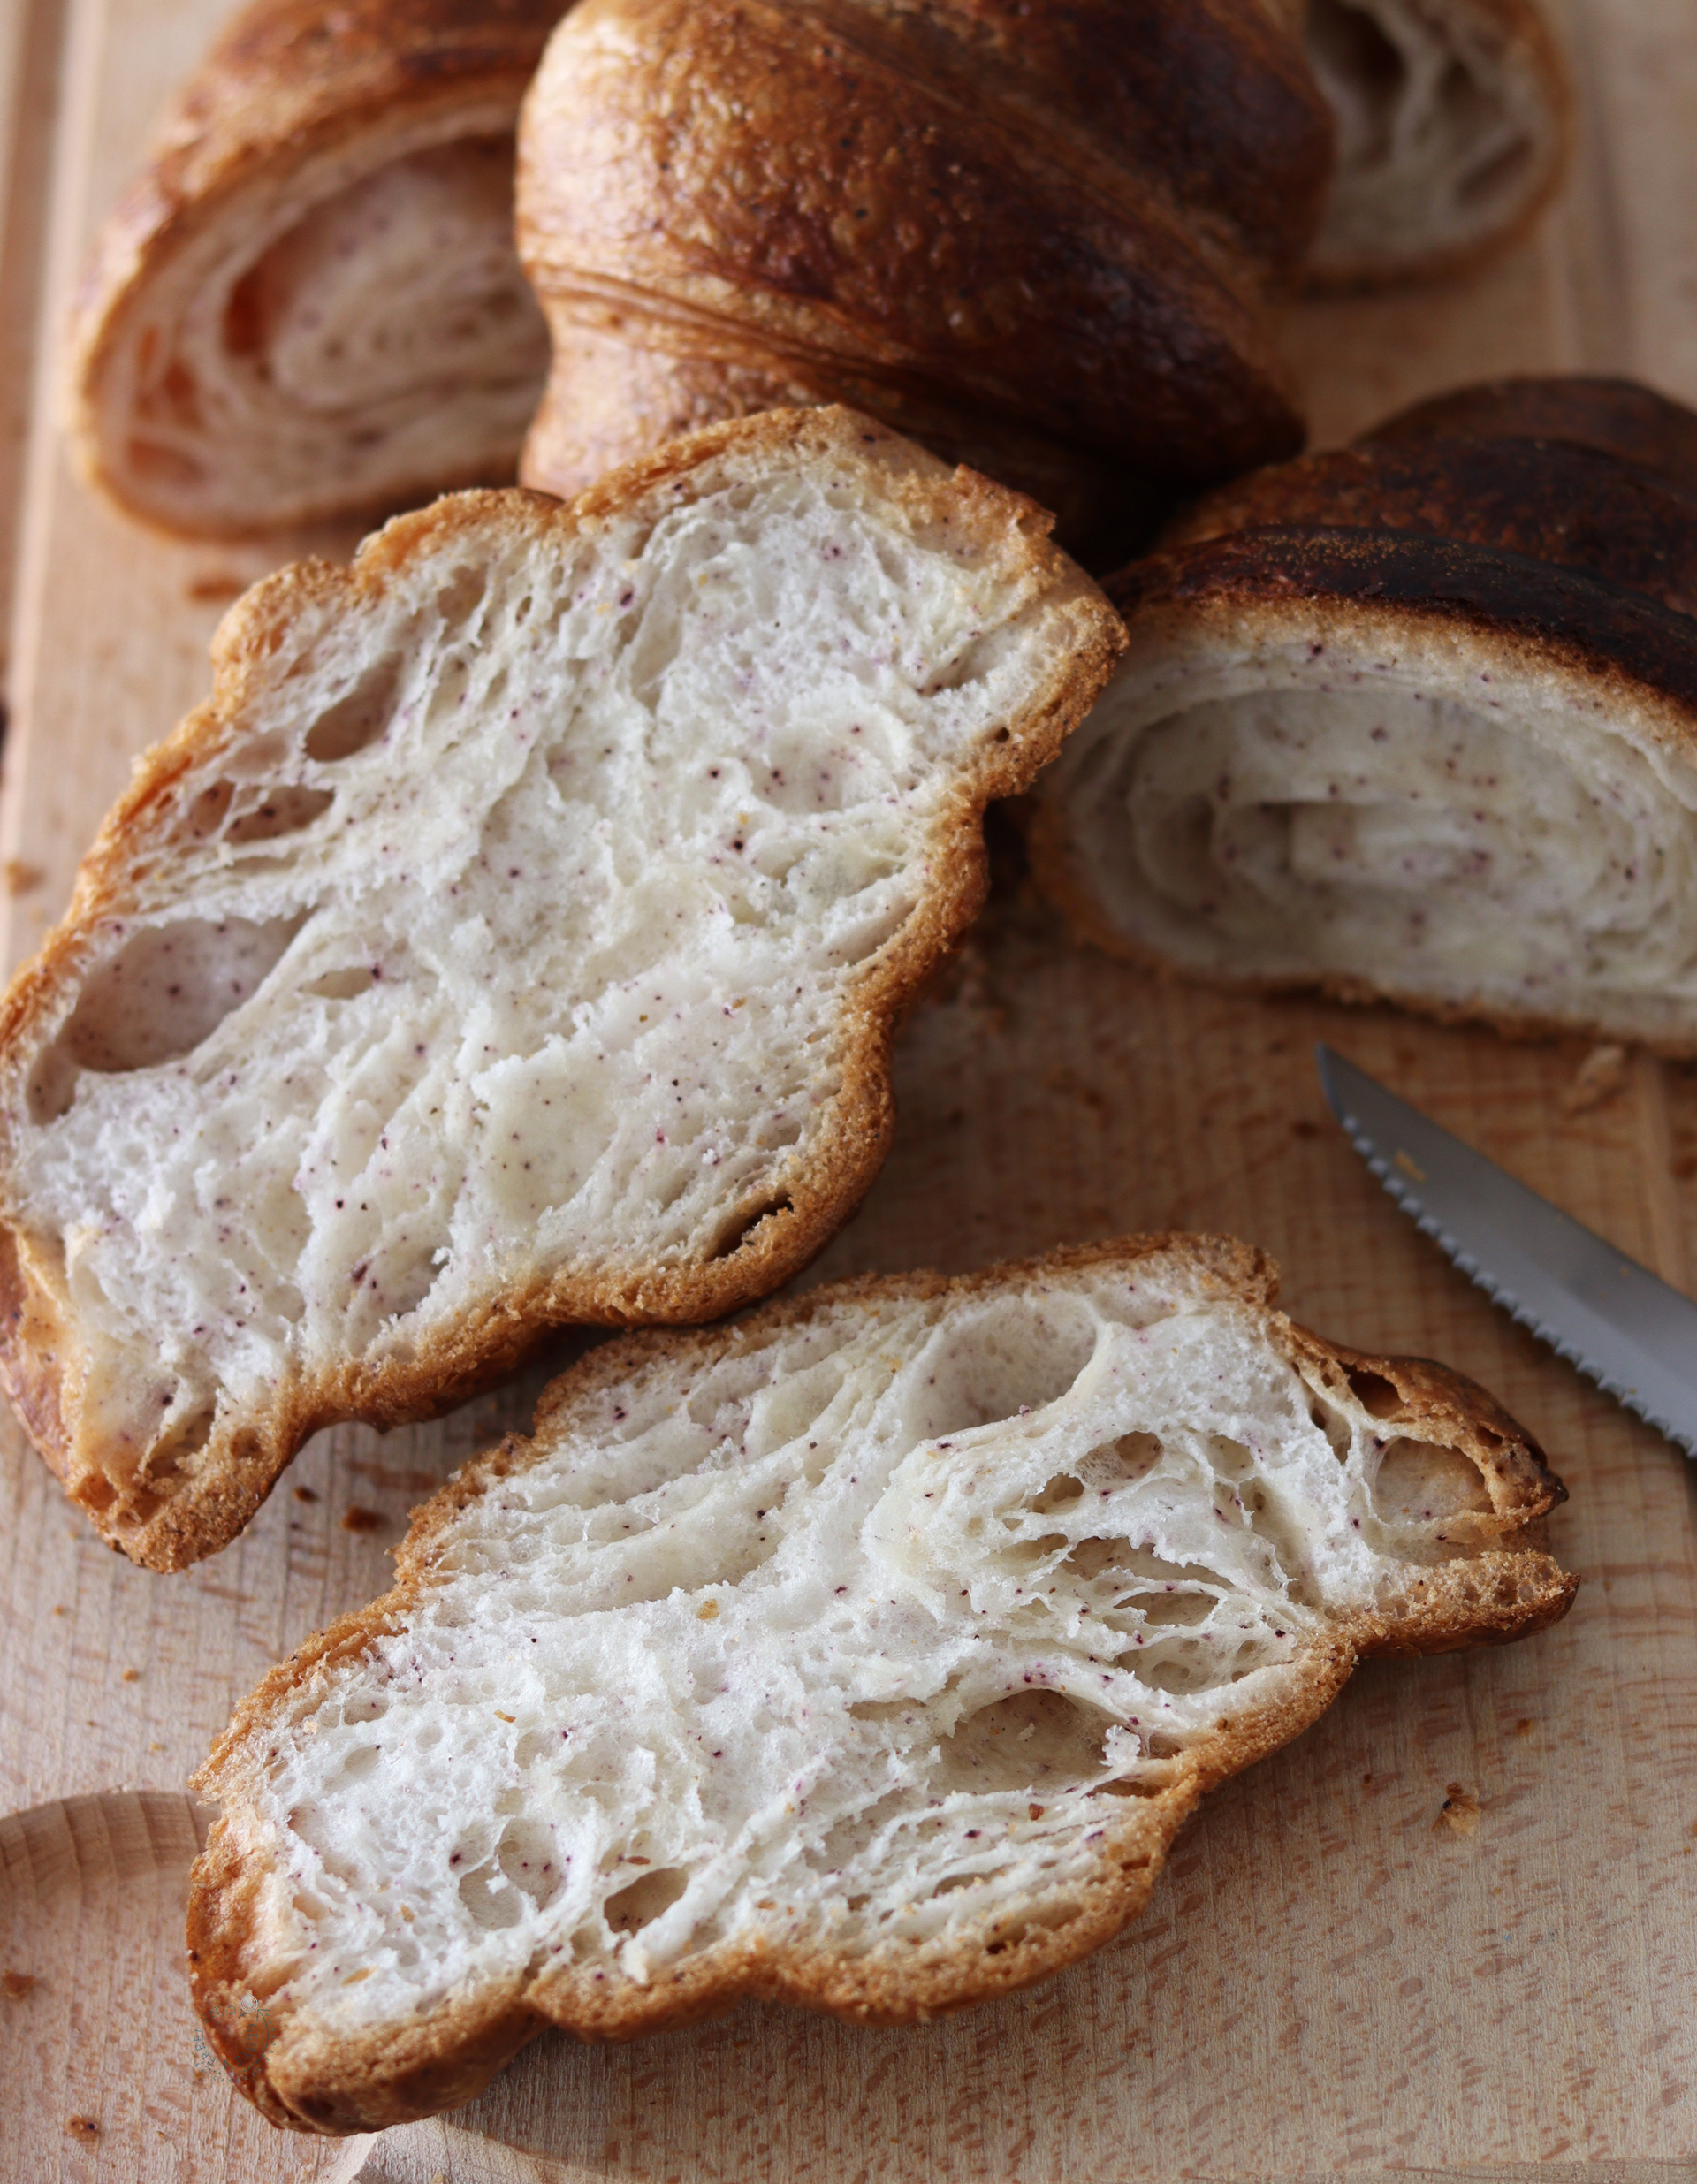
x=1450, y=128
x=1465, y=833
x=855, y=1642
x=504, y=943
x=341, y=336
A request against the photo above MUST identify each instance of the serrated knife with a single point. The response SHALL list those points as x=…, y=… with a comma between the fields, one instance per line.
x=1632, y=1333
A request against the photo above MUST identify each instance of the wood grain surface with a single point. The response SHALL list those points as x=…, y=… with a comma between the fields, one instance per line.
x=1334, y=1978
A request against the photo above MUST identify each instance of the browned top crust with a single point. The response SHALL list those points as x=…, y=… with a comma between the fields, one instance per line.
x=1500, y=1586
x=938, y=200
x=1552, y=501
x=1619, y=417
x=1560, y=510
x=1585, y=622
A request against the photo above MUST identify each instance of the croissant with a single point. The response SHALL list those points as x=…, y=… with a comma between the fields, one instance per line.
x=1037, y=236
x=1454, y=128
x=308, y=303
x=1415, y=721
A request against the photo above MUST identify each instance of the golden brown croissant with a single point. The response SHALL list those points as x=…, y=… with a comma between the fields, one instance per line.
x=1036, y=236
x=307, y=302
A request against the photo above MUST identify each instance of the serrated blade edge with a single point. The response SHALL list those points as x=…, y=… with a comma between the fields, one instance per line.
x=1617, y=1323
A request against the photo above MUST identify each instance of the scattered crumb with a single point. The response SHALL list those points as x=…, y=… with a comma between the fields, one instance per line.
x=1036, y=1811
x=708, y=1611
x=1599, y=1077
x=1366, y=1782
x=58, y=1611
x=16, y=1985
x=83, y=2127
x=1524, y=1726
x=21, y=878
x=131, y=1676
x=1459, y=1811
x=359, y=1519
x=219, y=583
x=305, y=1494
x=1305, y=1126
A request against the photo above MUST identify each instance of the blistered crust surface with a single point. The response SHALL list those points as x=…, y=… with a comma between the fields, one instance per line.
x=513, y=939
x=867, y=1654
x=917, y=209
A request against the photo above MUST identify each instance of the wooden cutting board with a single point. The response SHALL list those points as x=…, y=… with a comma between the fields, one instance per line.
x=1451, y=1931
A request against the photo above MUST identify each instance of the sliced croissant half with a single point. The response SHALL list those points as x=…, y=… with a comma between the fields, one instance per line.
x=867, y=1654
x=515, y=939
x=1453, y=126
x=308, y=303
x=1414, y=720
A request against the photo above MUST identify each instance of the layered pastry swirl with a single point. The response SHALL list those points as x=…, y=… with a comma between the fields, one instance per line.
x=1416, y=720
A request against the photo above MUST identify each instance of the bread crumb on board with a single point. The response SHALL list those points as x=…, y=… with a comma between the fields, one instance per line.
x=16, y=1985
x=1600, y=1077
x=1458, y=1815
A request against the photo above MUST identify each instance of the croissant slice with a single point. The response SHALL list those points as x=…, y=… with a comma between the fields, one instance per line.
x=1454, y=129
x=866, y=1654
x=515, y=939
x=308, y=303
x=1037, y=236
x=1404, y=722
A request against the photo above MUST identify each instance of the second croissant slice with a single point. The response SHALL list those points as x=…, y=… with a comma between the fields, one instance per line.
x=1415, y=721
x=866, y=1654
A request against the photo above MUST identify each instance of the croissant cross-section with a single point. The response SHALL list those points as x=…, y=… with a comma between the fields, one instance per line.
x=515, y=937
x=1416, y=720
x=867, y=1654
x=308, y=302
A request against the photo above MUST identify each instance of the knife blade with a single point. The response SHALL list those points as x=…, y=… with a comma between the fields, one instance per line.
x=1613, y=1318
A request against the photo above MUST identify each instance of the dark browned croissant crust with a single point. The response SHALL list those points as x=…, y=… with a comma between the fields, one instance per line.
x=1618, y=418
x=1037, y=237
x=1597, y=476
x=1520, y=560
